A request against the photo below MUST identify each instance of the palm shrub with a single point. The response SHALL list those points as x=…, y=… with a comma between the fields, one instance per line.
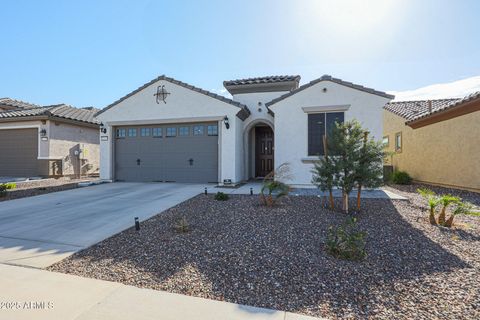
x=446, y=201
x=433, y=202
x=346, y=241
x=460, y=208
x=273, y=188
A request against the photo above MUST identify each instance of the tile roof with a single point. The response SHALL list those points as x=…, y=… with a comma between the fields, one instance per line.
x=411, y=110
x=64, y=111
x=17, y=103
x=260, y=80
x=444, y=107
x=331, y=79
x=242, y=114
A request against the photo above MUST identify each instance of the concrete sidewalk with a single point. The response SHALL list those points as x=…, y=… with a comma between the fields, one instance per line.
x=38, y=294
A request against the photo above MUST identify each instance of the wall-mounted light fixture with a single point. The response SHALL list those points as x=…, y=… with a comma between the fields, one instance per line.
x=227, y=123
x=102, y=128
x=43, y=132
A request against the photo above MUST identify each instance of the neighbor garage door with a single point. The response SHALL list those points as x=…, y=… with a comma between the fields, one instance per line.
x=176, y=152
x=18, y=152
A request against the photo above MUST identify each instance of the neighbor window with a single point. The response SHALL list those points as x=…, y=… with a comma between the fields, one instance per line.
x=212, y=130
x=398, y=142
x=145, y=132
x=157, y=132
x=320, y=124
x=171, y=132
x=386, y=141
x=198, y=130
x=132, y=132
x=183, y=131
x=121, y=133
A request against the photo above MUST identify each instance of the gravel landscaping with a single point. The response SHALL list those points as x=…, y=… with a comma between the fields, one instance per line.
x=37, y=187
x=242, y=252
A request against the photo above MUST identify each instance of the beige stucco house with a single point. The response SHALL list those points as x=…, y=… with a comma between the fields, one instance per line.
x=48, y=141
x=436, y=141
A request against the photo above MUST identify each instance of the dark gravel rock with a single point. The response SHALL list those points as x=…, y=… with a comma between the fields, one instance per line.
x=38, y=187
x=242, y=252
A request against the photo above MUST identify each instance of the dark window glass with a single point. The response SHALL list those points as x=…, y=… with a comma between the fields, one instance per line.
x=157, y=132
x=145, y=132
x=198, y=130
x=132, y=132
x=320, y=124
x=171, y=132
x=212, y=130
x=184, y=131
x=316, y=130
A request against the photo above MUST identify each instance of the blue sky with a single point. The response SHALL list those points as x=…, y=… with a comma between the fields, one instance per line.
x=93, y=52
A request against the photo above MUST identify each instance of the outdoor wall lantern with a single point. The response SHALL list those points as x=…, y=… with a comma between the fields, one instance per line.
x=43, y=132
x=227, y=123
x=161, y=94
x=102, y=128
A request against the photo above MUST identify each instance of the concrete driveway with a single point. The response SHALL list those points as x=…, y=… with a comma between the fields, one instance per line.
x=39, y=231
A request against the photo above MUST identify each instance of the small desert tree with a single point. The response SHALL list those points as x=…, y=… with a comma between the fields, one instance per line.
x=369, y=170
x=346, y=145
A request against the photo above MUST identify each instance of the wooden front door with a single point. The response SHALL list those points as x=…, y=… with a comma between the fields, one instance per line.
x=263, y=151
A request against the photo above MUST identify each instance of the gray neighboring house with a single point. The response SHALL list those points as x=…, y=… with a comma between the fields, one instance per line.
x=47, y=141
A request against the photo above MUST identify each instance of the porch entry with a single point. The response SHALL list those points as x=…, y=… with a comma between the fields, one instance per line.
x=264, y=149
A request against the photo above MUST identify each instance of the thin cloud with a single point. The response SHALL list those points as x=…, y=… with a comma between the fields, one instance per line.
x=455, y=89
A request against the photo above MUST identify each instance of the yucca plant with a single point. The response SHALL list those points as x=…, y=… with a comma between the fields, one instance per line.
x=460, y=208
x=433, y=202
x=446, y=201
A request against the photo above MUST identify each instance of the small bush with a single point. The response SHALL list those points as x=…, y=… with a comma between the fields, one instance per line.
x=401, y=177
x=182, y=225
x=346, y=242
x=220, y=196
x=6, y=186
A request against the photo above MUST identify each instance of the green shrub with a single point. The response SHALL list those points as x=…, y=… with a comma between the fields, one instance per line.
x=182, y=225
x=401, y=177
x=220, y=196
x=346, y=242
x=6, y=186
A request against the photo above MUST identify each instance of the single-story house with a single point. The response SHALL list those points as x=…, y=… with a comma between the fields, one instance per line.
x=436, y=141
x=168, y=130
x=48, y=141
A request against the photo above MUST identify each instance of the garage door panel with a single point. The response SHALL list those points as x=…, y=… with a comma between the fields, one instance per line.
x=19, y=152
x=167, y=158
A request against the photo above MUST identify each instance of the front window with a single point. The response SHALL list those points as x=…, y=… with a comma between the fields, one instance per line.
x=319, y=125
x=386, y=141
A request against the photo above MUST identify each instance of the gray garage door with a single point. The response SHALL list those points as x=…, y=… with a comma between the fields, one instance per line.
x=18, y=152
x=177, y=152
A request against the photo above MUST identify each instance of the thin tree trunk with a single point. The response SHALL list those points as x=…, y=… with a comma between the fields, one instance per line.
x=441, y=217
x=432, y=216
x=332, y=204
x=345, y=202
x=359, y=200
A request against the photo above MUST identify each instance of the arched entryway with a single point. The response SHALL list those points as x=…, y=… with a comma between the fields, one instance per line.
x=259, y=149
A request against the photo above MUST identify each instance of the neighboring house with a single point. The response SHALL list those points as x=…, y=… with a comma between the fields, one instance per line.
x=48, y=141
x=7, y=104
x=168, y=130
x=436, y=141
